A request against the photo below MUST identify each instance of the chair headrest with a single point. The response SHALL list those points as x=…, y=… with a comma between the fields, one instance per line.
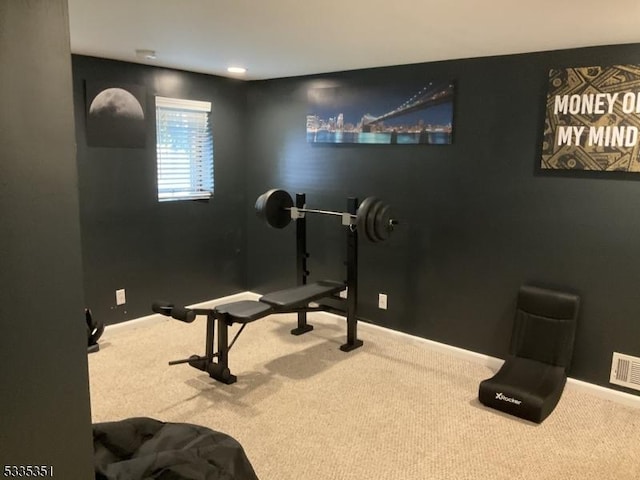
x=548, y=303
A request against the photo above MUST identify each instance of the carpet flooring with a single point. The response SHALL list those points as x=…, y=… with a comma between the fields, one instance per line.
x=394, y=409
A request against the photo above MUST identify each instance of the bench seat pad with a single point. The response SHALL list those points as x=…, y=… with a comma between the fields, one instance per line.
x=302, y=295
x=245, y=311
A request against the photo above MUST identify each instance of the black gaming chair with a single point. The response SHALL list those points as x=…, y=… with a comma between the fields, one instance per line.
x=531, y=380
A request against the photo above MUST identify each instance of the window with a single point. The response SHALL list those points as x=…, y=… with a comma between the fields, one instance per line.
x=184, y=149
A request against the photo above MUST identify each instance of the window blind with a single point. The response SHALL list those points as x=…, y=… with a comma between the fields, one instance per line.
x=184, y=149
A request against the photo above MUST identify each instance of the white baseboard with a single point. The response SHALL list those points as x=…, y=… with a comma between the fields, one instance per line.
x=228, y=299
x=606, y=393
x=156, y=317
x=495, y=364
x=486, y=360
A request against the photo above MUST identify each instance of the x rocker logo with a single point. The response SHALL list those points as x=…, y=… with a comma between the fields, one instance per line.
x=504, y=398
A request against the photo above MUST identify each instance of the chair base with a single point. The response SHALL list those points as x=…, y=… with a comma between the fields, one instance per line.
x=524, y=388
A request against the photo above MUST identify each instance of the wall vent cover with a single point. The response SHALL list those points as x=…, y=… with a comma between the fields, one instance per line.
x=625, y=371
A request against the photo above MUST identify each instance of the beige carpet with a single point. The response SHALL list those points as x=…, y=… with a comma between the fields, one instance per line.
x=392, y=410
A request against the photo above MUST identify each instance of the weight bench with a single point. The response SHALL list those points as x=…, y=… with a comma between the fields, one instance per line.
x=292, y=300
x=301, y=299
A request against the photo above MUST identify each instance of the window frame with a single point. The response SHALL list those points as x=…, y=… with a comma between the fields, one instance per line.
x=193, y=146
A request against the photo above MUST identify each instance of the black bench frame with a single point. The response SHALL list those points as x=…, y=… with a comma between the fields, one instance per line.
x=216, y=360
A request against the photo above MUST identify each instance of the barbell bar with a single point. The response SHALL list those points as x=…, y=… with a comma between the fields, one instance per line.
x=373, y=219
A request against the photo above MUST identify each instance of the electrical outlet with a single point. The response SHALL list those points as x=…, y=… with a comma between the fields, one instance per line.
x=121, y=297
x=344, y=293
x=382, y=301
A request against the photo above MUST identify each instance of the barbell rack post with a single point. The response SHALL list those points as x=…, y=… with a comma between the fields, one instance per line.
x=301, y=263
x=352, y=283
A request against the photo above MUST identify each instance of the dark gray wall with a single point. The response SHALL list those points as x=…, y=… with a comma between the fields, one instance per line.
x=45, y=415
x=478, y=218
x=184, y=252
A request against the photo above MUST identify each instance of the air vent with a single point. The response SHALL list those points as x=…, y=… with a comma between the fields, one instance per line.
x=625, y=371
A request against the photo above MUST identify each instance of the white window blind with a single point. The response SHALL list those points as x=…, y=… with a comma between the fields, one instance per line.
x=184, y=149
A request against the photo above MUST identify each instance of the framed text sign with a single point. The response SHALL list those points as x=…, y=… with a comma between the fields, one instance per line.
x=592, y=119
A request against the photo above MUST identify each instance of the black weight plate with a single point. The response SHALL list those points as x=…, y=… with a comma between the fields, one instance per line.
x=361, y=217
x=372, y=215
x=260, y=201
x=382, y=225
x=95, y=328
x=96, y=334
x=272, y=206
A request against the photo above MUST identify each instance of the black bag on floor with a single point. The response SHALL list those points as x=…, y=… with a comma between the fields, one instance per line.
x=144, y=448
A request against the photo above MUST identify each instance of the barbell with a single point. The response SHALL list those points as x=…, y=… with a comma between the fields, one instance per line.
x=373, y=218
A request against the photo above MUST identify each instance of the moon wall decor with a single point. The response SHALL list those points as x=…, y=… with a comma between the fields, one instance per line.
x=115, y=116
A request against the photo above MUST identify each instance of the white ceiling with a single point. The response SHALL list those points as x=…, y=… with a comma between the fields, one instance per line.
x=283, y=38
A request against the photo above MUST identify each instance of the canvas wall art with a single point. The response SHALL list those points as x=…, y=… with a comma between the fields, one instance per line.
x=592, y=119
x=115, y=115
x=419, y=113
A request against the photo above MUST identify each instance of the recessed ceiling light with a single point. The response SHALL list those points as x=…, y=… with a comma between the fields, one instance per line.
x=237, y=70
x=146, y=54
